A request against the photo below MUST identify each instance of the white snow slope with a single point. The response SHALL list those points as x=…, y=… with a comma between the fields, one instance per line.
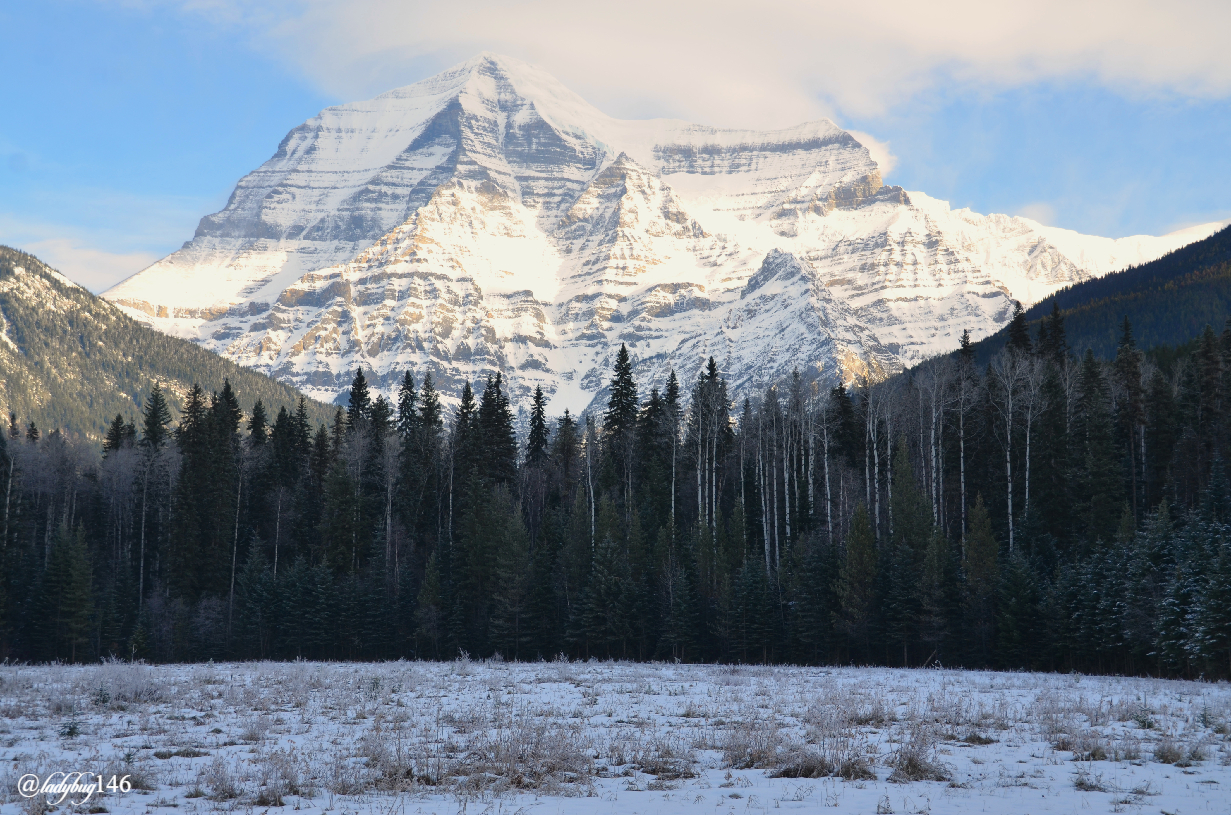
x=490, y=219
x=602, y=737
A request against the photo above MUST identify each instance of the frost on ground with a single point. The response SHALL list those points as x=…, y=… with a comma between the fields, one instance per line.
x=401, y=738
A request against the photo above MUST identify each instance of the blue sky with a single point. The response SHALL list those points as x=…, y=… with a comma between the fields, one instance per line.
x=125, y=122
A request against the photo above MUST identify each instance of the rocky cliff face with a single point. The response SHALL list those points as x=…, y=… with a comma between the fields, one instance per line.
x=487, y=218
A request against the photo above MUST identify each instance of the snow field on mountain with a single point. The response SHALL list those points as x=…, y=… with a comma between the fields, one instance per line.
x=604, y=737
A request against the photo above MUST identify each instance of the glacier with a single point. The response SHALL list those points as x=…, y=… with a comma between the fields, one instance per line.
x=490, y=219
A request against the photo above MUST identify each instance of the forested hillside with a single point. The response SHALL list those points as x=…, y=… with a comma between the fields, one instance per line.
x=1045, y=511
x=73, y=361
x=1167, y=300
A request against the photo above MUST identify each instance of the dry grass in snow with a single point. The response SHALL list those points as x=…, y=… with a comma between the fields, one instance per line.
x=400, y=738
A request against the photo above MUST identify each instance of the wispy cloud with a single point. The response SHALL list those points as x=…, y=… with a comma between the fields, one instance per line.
x=88, y=266
x=881, y=154
x=1040, y=211
x=102, y=236
x=733, y=63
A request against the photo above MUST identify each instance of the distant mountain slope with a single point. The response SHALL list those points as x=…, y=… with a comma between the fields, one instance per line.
x=72, y=360
x=1168, y=301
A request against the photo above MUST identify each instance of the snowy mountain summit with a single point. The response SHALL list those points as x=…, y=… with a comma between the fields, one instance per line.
x=490, y=219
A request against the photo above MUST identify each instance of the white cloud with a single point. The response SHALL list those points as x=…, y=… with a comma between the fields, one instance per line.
x=881, y=154
x=733, y=63
x=101, y=236
x=88, y=266
x=1039, y=211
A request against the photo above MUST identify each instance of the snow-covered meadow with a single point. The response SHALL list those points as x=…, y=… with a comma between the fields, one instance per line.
x=596, y=737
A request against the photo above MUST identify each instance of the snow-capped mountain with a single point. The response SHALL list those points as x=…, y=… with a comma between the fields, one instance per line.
x=488, y=218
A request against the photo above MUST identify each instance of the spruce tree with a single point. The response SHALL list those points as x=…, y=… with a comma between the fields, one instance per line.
x=1053, y=344
x=1130, y=412
x=620, y=418
x=1099, y=484
x=565, y=447
x=1019, y=332
x=359, y=407
x=912, y=532
x=966, y=350
x=537, y=440
x=66, y=593
x=381, y=417
x=981, y=571
x=258, y=424
x=513, y=626
x=856, y=585
x=156, y=420
x=620, y=425
x=408, y=408
x=497, y=441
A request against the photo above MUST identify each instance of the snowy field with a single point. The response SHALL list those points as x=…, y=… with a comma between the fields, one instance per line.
x=474, y=737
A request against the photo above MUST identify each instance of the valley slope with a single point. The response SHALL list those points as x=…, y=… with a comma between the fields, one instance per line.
x=490, y=219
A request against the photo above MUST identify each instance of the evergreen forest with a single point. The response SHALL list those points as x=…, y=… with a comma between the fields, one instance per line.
x=1047, y=510
x=72, y=360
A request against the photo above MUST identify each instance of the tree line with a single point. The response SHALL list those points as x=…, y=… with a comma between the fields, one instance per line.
x=1047, y=511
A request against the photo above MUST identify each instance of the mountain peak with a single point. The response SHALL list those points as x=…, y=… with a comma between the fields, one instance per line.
x=488, y=218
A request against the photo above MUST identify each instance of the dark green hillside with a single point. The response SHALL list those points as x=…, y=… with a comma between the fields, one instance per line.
x=72, y=360
x=1168, y=301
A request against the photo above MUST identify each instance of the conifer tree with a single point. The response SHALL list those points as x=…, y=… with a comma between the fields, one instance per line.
x=856, y=585
x=620, y=424
x=1099, y=484
x=67, y=595
x=565, y=447
x=1019, y=332
x=258, y=424
x=1053, y=344
x=981, y=571
x=408, y=408
x=966, y=351
x=118, y=436
x=537, y=440
x=1130, y=410
x=912, y=532
x=359, y=407
x=497, y=441
x=513, y=624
